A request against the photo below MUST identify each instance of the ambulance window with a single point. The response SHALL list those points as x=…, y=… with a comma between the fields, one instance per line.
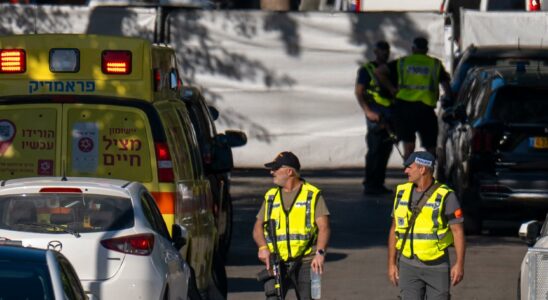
x=192, y=139
x=178, y=143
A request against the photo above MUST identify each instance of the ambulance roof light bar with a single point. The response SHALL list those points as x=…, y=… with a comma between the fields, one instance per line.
x=13, y=61
x=116, y=62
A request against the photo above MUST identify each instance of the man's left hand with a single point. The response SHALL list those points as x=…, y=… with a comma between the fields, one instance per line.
x=457, y=273
x=317, y=263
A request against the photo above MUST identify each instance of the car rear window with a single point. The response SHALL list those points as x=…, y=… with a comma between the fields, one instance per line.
x=21, y=280
x=521, y=105
x=65, y=213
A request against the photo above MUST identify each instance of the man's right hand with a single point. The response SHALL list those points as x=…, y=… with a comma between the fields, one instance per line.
x=393, y=274
x=264, y=256
x=372, y=116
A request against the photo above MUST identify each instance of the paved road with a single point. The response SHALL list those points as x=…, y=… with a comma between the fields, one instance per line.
x=356, y=261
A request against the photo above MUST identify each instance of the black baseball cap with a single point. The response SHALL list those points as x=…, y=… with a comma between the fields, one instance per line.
x=423, y=158
x=420, y=43
x=382, y=45
x=285, y=158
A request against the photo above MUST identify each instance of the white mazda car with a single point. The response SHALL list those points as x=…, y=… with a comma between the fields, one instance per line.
x=111, y=231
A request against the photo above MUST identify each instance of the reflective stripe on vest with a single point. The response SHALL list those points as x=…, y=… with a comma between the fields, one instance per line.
x=418, y=79
x=374, y=88
x=296, y=229
x=430, y=234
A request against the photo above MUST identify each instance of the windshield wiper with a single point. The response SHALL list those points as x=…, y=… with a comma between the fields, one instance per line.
x=56, y=227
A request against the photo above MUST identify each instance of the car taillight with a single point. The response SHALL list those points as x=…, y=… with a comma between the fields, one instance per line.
x=482, y=141
x=140, y=244
x=13, y=61
x=116, y=62
x=165, y=165
x=533, y=5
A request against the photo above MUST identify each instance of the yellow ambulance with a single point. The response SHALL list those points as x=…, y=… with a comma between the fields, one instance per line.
x=106, y=106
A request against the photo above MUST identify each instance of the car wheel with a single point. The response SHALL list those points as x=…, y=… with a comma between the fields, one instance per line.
x=166, y=293
x=193, y=293
x=220, y=280
x=226, y=237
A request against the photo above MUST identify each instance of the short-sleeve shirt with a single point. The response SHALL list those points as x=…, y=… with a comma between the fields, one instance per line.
x=450, y=208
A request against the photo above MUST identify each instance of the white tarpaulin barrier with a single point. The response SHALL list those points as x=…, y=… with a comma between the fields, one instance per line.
x=504, y=28
x=288, y=79
x=28, y=19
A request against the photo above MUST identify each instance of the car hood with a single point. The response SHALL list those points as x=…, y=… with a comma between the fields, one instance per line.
x=90, y=259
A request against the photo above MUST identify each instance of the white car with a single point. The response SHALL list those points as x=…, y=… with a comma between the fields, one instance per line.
x=533, y=279
x=111, y=231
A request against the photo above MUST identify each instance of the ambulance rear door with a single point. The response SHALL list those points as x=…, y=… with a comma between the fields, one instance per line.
x=30, y=140
x=110, y=141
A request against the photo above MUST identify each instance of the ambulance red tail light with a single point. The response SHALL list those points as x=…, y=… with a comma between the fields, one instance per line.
x=157, y=80
x=13, y=61
x=116, y=62
x=165, y=165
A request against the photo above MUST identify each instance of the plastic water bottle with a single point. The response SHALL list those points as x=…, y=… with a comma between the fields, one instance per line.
x=315, y=284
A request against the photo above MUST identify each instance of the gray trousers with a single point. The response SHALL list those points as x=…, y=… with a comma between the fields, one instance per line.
x=417, y=283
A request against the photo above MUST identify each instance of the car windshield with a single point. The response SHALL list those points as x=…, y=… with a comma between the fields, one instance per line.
x=65, y=213
x=521, y=105
x=24, y=280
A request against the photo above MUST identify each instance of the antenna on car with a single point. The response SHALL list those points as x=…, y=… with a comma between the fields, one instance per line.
x=64, y=175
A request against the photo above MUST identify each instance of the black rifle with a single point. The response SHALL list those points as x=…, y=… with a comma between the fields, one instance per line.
x=392, y=137
x=278, y=268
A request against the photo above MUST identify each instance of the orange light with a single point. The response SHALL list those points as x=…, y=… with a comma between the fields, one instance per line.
x=12, y=61
x=116, y=62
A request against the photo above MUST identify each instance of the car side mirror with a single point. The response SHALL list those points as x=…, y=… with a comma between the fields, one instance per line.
x=235, y=138
x=179, y=236
x=214, y=112
x=529, y=232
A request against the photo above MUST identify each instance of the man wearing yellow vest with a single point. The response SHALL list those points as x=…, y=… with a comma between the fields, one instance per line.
x=426, y=220
x=302, y=224
x=375, y=101
x=419, y=77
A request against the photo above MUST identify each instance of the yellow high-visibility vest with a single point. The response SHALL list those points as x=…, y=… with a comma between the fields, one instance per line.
x=418, y=79
x=374, y=88
x=430, y=234
x=296, y=229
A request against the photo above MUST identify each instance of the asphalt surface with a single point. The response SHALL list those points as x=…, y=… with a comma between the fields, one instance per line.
x=356, y=259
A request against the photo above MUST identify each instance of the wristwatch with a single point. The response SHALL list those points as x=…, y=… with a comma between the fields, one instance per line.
x=320, y=252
